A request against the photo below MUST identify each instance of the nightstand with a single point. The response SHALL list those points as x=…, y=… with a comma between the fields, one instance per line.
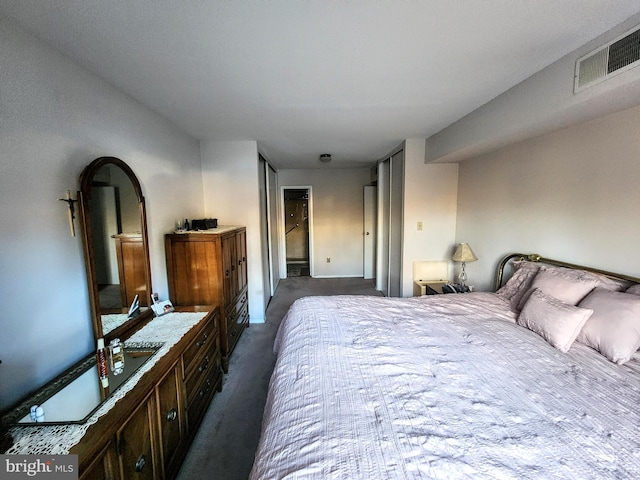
x=428, y=287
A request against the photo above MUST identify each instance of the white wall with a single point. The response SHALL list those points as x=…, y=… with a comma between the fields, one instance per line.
x=338, y=206
x=430, y=197
x=541, y=104
x=55, y=118
x=232, y=195
x=571, y=195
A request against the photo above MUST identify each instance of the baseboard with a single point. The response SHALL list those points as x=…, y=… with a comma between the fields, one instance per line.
x=339, y=276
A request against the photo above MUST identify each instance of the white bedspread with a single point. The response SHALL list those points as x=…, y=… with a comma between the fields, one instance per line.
x=444, y=387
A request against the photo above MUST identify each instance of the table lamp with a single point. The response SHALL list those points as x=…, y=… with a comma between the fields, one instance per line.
x=463, y=254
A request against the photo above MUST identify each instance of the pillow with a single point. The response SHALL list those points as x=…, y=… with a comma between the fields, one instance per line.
x=614, y=327
x=602, y=280
x=520, y=281
x=555, y=321
x=564, y=286
x=606, y=282
x=634, y=289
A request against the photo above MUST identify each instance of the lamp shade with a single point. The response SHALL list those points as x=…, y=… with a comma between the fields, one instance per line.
x=464, y=254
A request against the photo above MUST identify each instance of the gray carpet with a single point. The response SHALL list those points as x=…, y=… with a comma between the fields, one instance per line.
x=224, y=447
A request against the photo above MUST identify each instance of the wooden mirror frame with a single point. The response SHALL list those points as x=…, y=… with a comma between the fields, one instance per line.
x=84, y=195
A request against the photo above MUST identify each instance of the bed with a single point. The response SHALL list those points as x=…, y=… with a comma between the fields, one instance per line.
x=540, y=379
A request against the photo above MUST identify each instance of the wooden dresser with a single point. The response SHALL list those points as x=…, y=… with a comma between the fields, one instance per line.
x=209, y=267
x=131, y=268
x=146, y=435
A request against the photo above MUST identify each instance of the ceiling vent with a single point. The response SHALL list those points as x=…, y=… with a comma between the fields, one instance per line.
x=615, y=57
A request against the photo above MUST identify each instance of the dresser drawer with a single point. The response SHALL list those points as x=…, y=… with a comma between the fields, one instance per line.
x=200, y=345
x=209, y=362
x=236, y=326
x=239, y=307
x=236, y=306
x=202, y=394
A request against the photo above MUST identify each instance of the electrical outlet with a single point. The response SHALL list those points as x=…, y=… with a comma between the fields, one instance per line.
x=328, y=259
x=419, y=225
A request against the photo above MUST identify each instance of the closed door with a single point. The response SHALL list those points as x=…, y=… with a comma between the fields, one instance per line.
x=395, y=224
x=230, y=280
x=170, y=420
x=193, y=270
x=369, y=231
x=390, y=212
x=241, y=260
x=135, y=444
x=382, y=244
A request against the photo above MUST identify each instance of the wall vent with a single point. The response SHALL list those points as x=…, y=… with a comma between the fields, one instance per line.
x=615, y=57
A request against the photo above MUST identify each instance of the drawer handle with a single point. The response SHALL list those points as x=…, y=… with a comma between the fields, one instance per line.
x=172, y=415
x=140, y=463
x=226, y=273
x=201, y=343
x=205, y=365
x=206, y=389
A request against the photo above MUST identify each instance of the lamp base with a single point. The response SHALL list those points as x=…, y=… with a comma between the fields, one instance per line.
x=462, y=278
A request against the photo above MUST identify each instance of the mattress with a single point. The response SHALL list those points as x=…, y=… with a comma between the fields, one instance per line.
x=441, y=387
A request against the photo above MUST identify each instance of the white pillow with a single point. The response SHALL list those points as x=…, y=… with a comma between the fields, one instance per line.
x=614, y=327
x=555, y=321
x=563, y=286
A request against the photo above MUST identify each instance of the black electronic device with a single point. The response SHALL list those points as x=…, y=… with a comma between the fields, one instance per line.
x=454, y=288
x=204, y=224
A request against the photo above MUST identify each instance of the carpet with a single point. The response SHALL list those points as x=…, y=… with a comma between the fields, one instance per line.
x=224, y=447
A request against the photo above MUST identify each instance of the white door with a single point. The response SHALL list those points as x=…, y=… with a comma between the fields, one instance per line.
x=395, y=224
x=382, y=233
x=389, y=235
x=369, y=231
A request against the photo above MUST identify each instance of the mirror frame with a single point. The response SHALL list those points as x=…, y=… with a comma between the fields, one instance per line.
x=84, y=195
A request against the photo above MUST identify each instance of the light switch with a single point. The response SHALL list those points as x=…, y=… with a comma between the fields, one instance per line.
x=419, y=225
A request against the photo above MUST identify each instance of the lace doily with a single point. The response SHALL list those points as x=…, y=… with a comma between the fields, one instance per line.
x=164, y=331
x=112, y=321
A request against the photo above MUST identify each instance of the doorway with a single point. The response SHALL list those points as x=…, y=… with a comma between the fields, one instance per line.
x=296, y=228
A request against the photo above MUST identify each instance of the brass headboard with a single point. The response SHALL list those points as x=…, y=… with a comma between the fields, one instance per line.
x=534, y=257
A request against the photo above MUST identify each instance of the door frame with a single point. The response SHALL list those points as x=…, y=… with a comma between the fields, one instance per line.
x=282, y=230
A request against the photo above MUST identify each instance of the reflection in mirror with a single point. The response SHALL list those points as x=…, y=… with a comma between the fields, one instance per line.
x=116, y=250
x=77, y=393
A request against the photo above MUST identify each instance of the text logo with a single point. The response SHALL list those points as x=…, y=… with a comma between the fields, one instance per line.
x=50, y=467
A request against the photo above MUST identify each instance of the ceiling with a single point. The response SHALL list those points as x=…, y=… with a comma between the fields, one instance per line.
x=350, y=78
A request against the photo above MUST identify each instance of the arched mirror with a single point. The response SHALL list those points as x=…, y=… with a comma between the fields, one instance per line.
x=116, y=247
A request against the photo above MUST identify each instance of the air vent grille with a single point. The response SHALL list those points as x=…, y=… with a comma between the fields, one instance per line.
x=624, y=52
x=613, y=58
